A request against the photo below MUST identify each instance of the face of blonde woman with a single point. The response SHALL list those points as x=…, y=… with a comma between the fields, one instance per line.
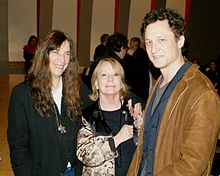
x=59, y=59
x=108, y=81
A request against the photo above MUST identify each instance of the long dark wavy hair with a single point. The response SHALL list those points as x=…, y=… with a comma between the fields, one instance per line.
x=41, y=80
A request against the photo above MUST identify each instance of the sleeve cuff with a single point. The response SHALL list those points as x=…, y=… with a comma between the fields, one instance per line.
x=112, y=144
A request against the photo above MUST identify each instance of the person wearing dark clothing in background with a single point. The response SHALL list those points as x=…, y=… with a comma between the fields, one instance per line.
x=137, y=71
x=117, y=45
x=101, y=49
x=212, y=73
x=29, y=51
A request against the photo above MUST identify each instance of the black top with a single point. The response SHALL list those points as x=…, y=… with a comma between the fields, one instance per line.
x=125, y=150
x=137, y=73
x=36, y=146
x=113, y=119
x=99, y=51
x=110, y=122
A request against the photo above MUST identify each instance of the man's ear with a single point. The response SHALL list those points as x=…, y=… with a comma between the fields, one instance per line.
x=181, y=41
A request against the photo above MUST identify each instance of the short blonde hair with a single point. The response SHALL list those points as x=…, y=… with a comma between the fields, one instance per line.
x=118, y=68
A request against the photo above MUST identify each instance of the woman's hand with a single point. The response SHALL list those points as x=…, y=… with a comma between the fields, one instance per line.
x=123, y=135
x=137, y=113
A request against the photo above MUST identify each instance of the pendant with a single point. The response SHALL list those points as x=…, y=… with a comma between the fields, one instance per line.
x=62, y=129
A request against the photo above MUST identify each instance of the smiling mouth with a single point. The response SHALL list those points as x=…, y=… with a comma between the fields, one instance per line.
x=109, y=86
x=157, y=57
x=59, y=67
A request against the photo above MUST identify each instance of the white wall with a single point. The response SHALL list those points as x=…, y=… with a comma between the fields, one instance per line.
x=65, y=17
x=137, y=13
x=102, y=21
x=22, y=22
x=177, y=5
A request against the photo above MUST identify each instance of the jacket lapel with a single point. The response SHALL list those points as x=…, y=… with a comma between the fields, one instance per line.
x=138, y=153
x=175, y=97
x=171, y=104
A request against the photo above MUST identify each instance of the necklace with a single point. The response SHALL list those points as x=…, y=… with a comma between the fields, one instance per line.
x=60, y=127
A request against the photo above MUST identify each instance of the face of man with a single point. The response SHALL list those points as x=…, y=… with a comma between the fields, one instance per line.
x=163, y=49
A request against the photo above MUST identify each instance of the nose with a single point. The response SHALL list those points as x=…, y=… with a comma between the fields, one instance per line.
x=154, y=48
x=110, y=77
x=61, y=58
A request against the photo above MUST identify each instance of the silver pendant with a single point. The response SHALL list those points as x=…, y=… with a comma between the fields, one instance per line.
x=62, y=129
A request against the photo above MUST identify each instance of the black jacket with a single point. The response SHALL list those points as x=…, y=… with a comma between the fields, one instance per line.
x=137, y=73
x=93, y=115
x=35, y=145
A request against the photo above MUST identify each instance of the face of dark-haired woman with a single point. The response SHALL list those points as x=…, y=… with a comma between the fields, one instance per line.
x=59, y=59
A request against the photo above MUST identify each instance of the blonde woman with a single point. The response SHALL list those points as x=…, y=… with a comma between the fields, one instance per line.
x=106, y=137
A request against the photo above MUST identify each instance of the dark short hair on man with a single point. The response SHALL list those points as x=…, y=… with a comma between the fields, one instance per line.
x=175, y=20
x=117, y=41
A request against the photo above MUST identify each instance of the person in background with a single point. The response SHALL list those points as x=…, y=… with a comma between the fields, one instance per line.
x=181, y=121
x=101, y=48
x=133, y=44
x=107, y=137
x=117, y=45
x=212, y=73
x=29, y=51
x=44, y=112
x=195, y=61
x=137, y=69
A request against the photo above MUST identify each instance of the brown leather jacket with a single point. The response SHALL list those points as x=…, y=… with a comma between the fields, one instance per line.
x=188, y=130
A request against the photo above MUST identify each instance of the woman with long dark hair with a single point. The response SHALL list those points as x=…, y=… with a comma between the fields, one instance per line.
x=28, y=52
x=44, y=112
